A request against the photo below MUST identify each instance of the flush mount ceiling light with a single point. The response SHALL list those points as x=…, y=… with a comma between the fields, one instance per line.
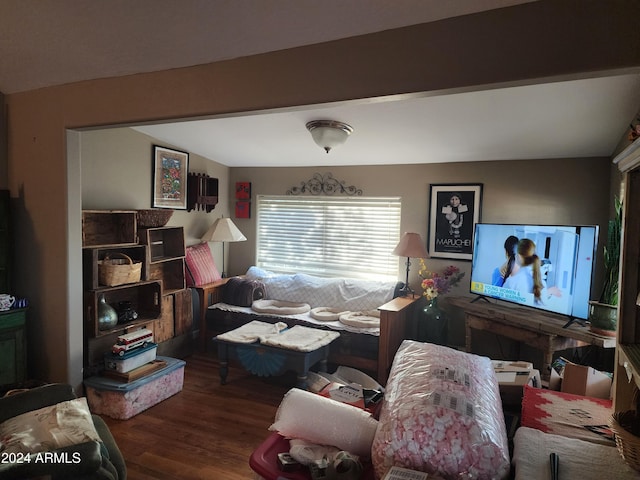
x=329, y=133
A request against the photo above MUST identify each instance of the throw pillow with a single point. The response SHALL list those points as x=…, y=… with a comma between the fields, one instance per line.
x=56, y=426
x=201, y=269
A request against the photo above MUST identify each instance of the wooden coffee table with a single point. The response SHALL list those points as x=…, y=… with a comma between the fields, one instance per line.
x=265, y=360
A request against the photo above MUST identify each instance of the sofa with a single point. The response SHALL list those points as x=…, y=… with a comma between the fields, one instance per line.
x=98, y=458
x=370, y=317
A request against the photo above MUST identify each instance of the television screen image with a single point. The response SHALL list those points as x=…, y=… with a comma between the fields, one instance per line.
x=548, y=267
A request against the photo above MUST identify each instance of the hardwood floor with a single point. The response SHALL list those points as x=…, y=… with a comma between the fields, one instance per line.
x=207, y=431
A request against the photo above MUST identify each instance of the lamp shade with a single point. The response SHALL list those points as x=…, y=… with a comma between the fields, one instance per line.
x=411, y=246
x=223, y=230
x=329, y=133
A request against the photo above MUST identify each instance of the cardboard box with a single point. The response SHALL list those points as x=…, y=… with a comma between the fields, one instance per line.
x=347, y=385
x=512, y=377
x=582, y=380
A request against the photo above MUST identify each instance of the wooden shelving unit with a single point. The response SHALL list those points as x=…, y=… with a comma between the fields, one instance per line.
x=627, y=369
x=160, y=298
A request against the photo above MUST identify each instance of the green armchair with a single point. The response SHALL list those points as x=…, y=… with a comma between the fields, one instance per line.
x=98, y=460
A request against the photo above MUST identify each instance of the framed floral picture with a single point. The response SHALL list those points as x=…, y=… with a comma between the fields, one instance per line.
x=453, y=212
x=170, y=169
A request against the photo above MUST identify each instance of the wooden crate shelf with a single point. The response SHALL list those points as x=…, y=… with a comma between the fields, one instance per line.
x=91, y=257
x=102, y=228
x=171, y=273
x=145, y=298
x=164, y=243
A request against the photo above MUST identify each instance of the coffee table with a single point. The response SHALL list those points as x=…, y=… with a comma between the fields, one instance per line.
x=266, y=360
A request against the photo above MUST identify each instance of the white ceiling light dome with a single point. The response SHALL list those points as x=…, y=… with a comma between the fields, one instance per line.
x=329, y=133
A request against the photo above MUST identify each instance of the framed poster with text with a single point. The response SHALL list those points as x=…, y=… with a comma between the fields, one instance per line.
x=453, y=212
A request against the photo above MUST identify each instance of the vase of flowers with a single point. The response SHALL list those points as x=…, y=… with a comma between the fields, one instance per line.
x=433, y=326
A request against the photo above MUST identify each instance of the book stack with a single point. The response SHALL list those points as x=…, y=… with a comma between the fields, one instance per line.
x=134, y=364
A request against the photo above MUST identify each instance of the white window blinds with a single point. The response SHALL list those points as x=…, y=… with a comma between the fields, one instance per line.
x=329, y=236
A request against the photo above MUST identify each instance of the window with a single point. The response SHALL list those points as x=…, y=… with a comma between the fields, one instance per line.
x=329, y=236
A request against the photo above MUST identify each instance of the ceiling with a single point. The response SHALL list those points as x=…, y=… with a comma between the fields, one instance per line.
x=45, y=43
x=582, y=118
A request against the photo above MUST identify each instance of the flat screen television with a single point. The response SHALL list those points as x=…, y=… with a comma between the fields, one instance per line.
x=566, y=256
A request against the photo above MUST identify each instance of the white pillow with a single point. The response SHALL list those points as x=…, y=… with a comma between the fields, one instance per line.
x=56, y=426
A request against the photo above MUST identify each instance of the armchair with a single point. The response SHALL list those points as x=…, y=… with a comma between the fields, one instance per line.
x=98, y=460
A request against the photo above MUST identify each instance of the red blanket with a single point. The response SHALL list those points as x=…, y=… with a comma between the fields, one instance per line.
x=569, y=415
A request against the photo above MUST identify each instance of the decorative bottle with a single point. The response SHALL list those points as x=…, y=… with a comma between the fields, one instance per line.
x=107, y=315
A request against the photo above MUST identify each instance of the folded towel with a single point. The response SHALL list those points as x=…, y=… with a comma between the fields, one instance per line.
x=252, y=332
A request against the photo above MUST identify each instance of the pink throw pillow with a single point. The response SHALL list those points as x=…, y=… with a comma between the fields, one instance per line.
x=201, y=269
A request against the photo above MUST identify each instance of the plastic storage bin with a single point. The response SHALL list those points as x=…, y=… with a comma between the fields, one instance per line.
x=124, y=400
x=264, y=461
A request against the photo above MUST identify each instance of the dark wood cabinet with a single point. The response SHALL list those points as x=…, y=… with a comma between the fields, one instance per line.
x=4, y=242
x=13, y=346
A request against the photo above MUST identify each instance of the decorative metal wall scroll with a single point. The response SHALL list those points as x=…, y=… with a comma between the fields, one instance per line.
x=324, y=185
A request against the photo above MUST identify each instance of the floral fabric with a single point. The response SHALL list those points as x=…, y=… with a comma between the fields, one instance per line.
x=56, y=426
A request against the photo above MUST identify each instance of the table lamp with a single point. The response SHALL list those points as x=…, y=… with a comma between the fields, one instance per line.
x=410, y=246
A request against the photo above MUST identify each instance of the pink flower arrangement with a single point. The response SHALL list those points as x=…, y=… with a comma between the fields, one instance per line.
x=434, y=283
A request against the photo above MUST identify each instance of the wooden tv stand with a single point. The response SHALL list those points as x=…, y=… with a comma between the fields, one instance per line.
x=543, y=331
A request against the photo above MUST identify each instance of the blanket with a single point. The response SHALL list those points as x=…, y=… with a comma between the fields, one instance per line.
x=303, y=339
x=343, y=293
x=585, y=418
x=577, y=458
x=252, y=332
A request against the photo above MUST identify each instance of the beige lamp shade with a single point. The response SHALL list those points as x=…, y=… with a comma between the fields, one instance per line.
x=411, y=246
x=223, y=230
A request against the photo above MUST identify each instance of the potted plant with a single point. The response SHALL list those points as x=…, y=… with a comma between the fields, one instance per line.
x=603, y=314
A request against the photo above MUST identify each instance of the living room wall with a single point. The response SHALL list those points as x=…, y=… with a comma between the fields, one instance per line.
x=552, y=191
x=117, y=174
x=116, y=166
x=532, y=43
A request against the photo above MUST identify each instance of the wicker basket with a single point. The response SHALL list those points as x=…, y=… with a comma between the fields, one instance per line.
x=628, y=444
x=118, y=271
x=153, y=218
